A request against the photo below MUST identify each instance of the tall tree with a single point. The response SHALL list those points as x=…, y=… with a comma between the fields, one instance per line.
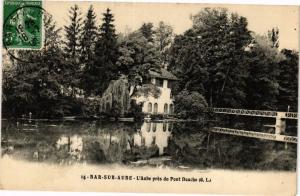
x=72, y=51
x=88, y=38
x=288, y=81
x=136, y=57
x=147, y=31
x=263, y=70
x=87, y=45
x=106, y=54
x=73, y=33
x=207, y=58
x=163, y=38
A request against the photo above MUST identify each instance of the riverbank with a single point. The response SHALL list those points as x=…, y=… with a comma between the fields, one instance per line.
x=24, y=175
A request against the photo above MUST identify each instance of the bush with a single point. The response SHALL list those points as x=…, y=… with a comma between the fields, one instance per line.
x=190, y=104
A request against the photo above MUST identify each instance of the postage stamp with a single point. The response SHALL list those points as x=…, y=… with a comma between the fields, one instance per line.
x=22, y=28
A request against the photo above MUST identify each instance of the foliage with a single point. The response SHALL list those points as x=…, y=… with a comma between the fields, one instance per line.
x=218, y=63
x=147, y=90
x=72, y=50
x=35, y=84
x=73, y=33
x=273, y=36
x=135, y=110
x=189, y=104
x=115, y=100
x=207, y=58
x=163, y=38
x=263, y=70
x=88, y=39
x=288, y=81
x=147, y=31
x=104, y=68
x=136, y=57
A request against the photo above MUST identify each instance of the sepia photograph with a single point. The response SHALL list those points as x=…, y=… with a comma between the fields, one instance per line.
x=149, y=97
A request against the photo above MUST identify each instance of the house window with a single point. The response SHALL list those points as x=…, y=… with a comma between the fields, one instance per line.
x=166, y=108
x=155, y=108
x=149, y=107
x=171, y=110
x=170, y=84
x=159, y=82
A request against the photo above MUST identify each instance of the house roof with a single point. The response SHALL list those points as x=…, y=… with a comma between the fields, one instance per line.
x=164, y=74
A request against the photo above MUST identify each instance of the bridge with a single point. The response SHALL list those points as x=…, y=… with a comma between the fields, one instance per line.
x=261, y=113
x=280, y=124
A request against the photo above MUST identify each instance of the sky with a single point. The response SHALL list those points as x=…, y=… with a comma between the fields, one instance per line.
x=261, y=18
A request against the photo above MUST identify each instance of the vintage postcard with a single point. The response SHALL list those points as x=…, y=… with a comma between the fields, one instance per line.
x=149, y=97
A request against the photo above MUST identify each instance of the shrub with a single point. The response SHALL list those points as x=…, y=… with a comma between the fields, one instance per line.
x=190, y=104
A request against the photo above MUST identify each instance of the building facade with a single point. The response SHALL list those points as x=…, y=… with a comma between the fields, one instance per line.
x=163, y=104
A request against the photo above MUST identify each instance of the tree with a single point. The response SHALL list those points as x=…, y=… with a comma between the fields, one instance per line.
x=163, y=38
x=73, y=33
x=106, y=54
x=88, y=38
x=263, y=70
x=137, y=57
x=208, y=57
x=273, y=36
x=189, y=104
x=288, y=81
x=147, y=31
x=87, y=44
x=34, y=85
x=72, y=51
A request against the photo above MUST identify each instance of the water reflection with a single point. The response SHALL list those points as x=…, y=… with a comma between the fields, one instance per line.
x=153, y=133
x=180, y=145
x=74, y=145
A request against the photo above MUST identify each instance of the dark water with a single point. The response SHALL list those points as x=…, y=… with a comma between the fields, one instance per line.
x=179, y=145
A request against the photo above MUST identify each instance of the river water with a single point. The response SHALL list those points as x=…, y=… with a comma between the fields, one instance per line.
x=155, y=144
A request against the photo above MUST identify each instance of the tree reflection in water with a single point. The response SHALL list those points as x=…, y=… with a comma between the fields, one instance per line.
x=146, y=143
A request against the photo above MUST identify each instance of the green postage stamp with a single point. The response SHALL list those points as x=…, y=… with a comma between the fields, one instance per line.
x=22, y=28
